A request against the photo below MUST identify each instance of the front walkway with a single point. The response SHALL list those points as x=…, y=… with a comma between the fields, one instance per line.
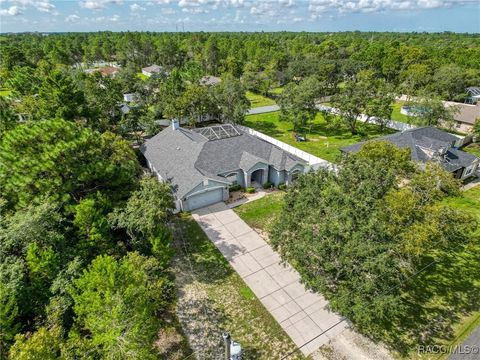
x=301, y=313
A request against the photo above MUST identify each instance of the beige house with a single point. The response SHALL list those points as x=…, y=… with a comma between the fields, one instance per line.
x=466, y=115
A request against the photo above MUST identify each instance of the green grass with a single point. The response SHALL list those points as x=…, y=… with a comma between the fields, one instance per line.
x=142, y=76
x=323, y=140
x=277, y=90
x=396, y=115
x=5, y=92
x=232, y=305
x=258, y=100
x=261, y=213
x=473, y=148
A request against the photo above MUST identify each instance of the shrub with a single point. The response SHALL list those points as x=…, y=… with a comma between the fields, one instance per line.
x=250, y=190
x=282, y=187
x=235, y=187
x=267, y=185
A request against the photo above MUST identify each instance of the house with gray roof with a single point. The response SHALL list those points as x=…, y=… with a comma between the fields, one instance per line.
x=154, y=70
x=431, y=144
x=201, y=164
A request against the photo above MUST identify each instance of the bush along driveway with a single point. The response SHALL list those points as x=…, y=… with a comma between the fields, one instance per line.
x=303, y=315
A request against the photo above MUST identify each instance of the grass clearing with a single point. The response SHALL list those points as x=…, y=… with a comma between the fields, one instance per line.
x=473, y=148
x=5, y=92
x=397, y=115
x=258, y=100
x=212, y=298
x=442, y=301
x=323, y=140
x=142, y=76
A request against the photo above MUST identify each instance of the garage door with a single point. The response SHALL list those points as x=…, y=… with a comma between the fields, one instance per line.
x=204, y=199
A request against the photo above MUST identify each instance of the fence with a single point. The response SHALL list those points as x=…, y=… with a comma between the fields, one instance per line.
x=312, y=160
x=391, y=124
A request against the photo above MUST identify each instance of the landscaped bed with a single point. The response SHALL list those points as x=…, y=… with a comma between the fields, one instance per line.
x=445, y=296
x=212, y=298
x=323, y=140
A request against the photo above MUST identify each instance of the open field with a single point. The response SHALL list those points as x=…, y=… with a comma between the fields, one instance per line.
x=323, y=140
x=212, y=298
x=258, y=100
x=442, y=301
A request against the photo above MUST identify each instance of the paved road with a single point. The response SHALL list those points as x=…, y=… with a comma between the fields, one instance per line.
x=472, y=343
x=301, y=313
x=263, y=109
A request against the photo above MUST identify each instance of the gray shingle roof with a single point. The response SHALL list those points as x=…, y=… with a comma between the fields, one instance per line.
x=185, y=157
x=423, y=143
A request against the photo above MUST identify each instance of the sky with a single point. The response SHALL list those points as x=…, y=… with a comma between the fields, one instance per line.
x=240, y=15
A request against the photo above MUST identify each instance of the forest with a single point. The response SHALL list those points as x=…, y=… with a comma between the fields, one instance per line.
x=85, y=241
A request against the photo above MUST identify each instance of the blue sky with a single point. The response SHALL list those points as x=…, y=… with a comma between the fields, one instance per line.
x=240, y=15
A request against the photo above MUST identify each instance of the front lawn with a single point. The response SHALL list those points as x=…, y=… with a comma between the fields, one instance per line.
x=442, y=301
x=212, y=298
x=258, y=100
x=323, y=140
x=261, y=213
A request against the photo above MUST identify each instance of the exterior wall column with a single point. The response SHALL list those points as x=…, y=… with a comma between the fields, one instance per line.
x=265, y=175
x=247, y=178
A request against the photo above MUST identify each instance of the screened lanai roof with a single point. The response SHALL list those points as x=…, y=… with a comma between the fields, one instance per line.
x=218, y=132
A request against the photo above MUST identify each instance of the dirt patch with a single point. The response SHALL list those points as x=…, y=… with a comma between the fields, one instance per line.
x=350, y=345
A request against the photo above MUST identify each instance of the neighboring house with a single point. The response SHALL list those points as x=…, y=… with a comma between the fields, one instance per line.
x=129, y=97
x=473, y=94
x=124, y=108
x=202, y=163
x=431, y=144
x=153, y=70
x=109, y=71
x=210, y=80
x=466, y=115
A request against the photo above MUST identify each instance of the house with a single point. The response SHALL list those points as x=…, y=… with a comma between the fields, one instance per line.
x=465, y=115
x=210, y=80
x=129, y=97
x=153, y=70
x=473, y=94
x=201, y=164
x=431, y=144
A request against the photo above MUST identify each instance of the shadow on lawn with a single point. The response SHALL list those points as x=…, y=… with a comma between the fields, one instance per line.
x=267, y=127
x=437, y=299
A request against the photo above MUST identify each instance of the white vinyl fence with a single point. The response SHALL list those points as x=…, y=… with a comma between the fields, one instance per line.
x=391, y=124
x=312, y=160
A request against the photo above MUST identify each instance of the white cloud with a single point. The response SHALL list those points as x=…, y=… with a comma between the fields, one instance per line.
x=136, y=7
x=72, y=18
x=349, y=6
x=21, y=5
x=11, y=11
x=101, y=19
x=98, y=4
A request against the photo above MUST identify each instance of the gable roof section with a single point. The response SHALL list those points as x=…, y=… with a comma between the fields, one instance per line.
x=242, y=152
x=152, y=68
x=423, y=143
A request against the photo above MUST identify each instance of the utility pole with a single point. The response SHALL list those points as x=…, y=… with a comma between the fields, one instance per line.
x=227, y=341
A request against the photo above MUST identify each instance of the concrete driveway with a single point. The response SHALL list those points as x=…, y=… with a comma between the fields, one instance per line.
x=303, y=315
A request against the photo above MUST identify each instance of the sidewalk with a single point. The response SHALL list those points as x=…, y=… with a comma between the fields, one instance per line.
x=303, y=315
